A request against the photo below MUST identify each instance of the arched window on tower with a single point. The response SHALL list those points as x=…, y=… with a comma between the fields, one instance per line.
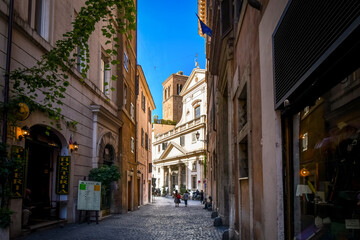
x=179, y=88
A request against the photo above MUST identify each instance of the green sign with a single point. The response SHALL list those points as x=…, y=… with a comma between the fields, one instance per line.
x=18, y=178
x=63, y=175
x=82, y=186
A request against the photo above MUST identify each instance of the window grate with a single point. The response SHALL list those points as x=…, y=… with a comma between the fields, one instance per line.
x=304, y=34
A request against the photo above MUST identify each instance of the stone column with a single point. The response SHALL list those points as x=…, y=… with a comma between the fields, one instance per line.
x=186, y=175
x=95, y=109
x=162, y=177
x=179, y=176
x=169, y=184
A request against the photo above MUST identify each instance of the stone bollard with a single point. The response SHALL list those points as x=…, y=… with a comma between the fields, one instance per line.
x=217, y=222
x=214, y=214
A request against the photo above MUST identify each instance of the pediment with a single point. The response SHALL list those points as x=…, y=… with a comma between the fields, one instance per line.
x=196, y=77
x=173, y=150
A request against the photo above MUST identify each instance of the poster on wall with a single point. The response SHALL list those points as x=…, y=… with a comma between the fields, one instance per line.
x=89, y=195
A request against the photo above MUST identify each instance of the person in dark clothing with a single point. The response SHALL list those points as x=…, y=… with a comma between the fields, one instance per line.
x=201, y=196
x=186, y=197
x=208, y=204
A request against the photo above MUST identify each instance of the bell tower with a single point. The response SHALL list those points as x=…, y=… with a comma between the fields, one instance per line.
x=172, y=101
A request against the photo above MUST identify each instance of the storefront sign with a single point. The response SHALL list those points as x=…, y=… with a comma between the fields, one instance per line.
x=24, y=111
x=89, y=195
x=63, y=175
x=18, y=179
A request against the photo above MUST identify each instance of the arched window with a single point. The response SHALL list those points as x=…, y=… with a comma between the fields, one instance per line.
x=194, y=166
x=109, y=155
x=179, y=88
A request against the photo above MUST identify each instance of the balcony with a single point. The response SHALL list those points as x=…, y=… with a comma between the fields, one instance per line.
x=179, y=130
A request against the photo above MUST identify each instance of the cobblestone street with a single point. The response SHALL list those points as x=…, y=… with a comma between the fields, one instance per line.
x=159, y=220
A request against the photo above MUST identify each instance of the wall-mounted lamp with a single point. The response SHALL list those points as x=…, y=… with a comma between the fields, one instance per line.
x=22, y=132
x=197, y=135
x=76, y=146
x=304, y=172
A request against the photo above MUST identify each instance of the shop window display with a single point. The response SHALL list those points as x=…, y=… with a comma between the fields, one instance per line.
x=326, y=164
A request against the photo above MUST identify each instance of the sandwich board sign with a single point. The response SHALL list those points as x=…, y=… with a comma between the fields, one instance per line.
x=89, y=196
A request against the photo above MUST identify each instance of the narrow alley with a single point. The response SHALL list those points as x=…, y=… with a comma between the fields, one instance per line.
x=158, y=220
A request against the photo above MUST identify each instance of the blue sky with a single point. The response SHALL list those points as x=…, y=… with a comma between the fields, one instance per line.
x=168, y=41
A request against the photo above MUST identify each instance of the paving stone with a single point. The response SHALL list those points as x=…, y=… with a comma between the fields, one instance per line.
x=158, y=220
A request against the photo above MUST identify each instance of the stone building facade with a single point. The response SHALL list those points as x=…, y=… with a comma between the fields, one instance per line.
x=172, y=100
x=127, y=109
x=144, y=107
x=234, y=148
x=284, y=166
x=106, y=121
x=178, y=156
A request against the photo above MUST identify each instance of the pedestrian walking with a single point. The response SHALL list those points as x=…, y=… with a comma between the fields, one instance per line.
x=186, y=197
x=201, y=196
x=176, y=198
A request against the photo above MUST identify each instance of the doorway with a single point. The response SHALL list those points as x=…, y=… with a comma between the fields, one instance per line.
x=129, y=194
x=43, y=150
x=139, y=193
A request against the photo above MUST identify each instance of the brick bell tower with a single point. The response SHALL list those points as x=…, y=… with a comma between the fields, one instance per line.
x=172, y=101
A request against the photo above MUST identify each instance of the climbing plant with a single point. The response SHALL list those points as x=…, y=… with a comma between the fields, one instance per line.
x=43, y=86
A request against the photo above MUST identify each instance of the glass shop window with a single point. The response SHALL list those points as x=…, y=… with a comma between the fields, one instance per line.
x=326, y=164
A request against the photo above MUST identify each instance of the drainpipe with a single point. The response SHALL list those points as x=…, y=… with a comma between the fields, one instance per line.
x=135, y=107
x=136, y=92
x=7, y=71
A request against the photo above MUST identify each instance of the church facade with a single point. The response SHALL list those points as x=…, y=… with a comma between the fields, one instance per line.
x=179, y=153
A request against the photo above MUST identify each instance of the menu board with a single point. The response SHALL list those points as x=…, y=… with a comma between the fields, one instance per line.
x=89, y=195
